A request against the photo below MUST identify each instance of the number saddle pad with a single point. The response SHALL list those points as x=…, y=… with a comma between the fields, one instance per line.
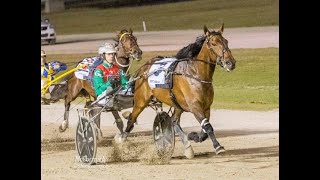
x=161, y=73
x=87, y=72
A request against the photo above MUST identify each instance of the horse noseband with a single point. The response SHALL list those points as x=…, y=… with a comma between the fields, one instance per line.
x=220, y=59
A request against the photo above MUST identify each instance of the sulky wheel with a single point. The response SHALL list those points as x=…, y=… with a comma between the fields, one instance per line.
x=86, y=142
x=163, y=134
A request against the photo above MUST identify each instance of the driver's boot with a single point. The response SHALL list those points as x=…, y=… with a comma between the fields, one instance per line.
x=126, y=115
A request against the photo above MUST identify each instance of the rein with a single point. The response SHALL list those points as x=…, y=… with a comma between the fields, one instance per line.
x=202, y=60
x=195, y=78
x=219, y=58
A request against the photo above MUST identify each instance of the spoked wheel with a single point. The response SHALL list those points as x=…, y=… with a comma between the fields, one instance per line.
x=86, y=141
x=163, y=134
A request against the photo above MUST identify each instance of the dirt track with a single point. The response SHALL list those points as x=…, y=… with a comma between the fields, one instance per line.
x=250, y=138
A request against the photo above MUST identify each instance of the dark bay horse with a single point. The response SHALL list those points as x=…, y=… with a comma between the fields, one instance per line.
x=127, y=48
x=192, y=89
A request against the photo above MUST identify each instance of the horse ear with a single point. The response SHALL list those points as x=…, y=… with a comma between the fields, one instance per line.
x=206, y=30
x=130, y=31
x=221, y=28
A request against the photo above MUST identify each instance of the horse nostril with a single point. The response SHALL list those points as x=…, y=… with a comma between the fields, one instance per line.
x=228, y=63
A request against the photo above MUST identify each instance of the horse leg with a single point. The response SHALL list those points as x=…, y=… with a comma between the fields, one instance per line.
x=188, y=151
x=87, y=87
x=203, y=119
x=74, y=87
x=65, y=123
x=202, y=136
x=141, y=102
x=118, y=120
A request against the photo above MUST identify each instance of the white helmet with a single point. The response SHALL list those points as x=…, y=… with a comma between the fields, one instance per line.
x=107, y=48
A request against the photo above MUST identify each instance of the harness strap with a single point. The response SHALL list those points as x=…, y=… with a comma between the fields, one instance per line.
x=195, y=78
x=121, y=65
x=123, y=35
x=174, y=100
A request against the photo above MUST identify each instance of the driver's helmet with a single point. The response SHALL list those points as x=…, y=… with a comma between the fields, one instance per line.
x=107, y=48
x=43, y=57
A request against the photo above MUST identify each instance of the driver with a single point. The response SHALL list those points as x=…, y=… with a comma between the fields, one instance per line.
x=48, y=71
x=107, y=75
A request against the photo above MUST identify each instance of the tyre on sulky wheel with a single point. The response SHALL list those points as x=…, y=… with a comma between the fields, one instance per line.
x=163, y=134
x=86, y=142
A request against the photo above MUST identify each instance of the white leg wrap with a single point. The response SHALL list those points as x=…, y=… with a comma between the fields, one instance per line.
x=203, y=123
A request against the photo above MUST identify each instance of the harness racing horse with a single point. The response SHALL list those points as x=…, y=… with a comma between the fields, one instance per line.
x=127, y=48
x=192, y=88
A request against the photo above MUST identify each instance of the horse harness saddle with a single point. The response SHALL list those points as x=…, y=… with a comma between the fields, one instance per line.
x=168, y=81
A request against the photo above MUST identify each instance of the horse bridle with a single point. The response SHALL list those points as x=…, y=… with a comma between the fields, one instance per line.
x=130, y=55
x=131, y=37
x=220, y=59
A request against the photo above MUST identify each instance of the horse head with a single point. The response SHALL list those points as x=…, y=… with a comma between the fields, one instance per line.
x=218, y=46
x=128, y=46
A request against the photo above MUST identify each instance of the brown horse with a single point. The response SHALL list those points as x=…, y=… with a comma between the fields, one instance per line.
x=127, y=48
x=192, y=89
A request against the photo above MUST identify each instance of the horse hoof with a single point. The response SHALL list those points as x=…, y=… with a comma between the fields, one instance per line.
x=188, y=152
x=193, y=136
x=118, y=139
x=63, y=126
x=220, y=150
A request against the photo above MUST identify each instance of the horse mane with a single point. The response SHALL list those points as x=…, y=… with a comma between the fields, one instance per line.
x=192, y=50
